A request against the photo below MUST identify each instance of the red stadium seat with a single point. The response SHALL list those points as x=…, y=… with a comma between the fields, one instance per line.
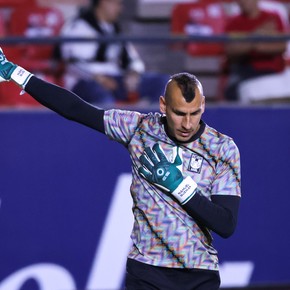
x=15, y=3
x=6, y=7
x=35, y=22
x=10, y=96
x=32, y=22
x=206, y=18
x=199, y=18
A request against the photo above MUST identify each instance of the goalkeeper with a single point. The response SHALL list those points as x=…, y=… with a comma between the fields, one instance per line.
x=185, y=179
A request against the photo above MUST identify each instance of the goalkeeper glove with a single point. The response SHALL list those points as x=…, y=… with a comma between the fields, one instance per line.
x=10, y=71
x=166, y=175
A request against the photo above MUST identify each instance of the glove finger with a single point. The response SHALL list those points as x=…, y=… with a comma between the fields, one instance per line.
x=178, y=157
x=159, y=152
x=146, y=163
x=145, y=173
x=151, y=156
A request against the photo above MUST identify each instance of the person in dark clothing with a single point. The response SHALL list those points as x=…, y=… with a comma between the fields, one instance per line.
x=251, y=60
x=100, y=72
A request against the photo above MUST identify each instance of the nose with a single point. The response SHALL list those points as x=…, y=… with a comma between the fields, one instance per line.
x=186, y=123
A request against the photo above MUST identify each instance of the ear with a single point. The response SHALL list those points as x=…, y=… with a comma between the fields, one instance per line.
x=203, y=104
x=162, y=105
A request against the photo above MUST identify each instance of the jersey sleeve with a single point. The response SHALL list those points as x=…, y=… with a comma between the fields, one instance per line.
x=228, y=175
x=121, y=125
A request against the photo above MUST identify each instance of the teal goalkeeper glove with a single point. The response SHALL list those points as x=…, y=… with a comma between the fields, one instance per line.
x=10, y=71
x=157, y=170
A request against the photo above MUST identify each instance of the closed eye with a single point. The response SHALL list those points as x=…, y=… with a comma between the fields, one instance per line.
x=196, y=112
x=179, y=113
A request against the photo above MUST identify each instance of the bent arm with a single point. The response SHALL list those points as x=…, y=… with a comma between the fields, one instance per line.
x=66, y=103
x=220, y=212
x=240, y=49
x=219, y=215
x=274, y=26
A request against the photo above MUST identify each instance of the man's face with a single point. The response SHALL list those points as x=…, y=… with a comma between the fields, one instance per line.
x=111, y=9
x=182, y=118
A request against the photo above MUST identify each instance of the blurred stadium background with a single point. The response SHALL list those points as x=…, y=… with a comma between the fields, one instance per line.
x=65, y=215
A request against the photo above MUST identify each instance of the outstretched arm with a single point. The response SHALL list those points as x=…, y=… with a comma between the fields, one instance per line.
x=66, y=103
x=58, y=99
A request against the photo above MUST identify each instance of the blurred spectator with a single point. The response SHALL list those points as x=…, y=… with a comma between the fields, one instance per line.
x=101, y=72
x=251, y=60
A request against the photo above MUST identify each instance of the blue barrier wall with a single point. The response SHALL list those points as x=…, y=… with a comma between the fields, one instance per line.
x=57, y=179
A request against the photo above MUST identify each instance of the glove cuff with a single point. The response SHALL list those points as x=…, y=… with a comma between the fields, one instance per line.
x=21, y=76
x=185, y=190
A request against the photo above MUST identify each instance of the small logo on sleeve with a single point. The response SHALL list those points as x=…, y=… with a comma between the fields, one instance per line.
x=195, y=163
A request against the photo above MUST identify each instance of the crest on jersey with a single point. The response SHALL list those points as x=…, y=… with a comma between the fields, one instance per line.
x=195, y=163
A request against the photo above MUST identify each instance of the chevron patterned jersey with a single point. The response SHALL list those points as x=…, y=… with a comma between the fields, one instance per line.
x=163, y=233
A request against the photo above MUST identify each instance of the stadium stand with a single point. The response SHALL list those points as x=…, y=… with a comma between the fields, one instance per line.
x=203, y=18
x=32, y=21
x=207, y=60
x=15, y=3
x=207, y=67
